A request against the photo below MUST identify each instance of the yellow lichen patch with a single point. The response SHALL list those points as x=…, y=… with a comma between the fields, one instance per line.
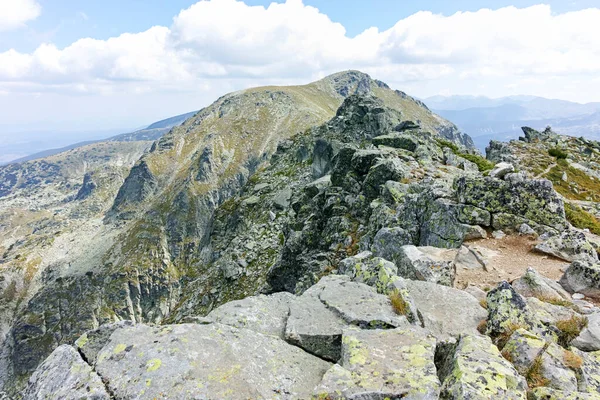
x=82, y=341
x=119, y=348
x=148, y=382
x=357, y=354
x=153, y=365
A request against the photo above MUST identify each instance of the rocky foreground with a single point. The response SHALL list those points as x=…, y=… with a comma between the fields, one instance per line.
x=344, y=264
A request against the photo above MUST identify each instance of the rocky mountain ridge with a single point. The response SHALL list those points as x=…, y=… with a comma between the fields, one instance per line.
x=308, y=242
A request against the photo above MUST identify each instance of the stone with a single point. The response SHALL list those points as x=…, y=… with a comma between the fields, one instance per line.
x=477, y=370
x=206, y=361
x=533, y=284
x=526, y=230
x=90, y=343
x=64, y=375
x=264, y=314
x=358, y=304
x=446, y=311
x=555, y=370
x=380, y=364
x=533, y=201
x=578, y=296
x=582, y=278
x=589, y=373
x=385, y=170
x=546, y=393
x=427, y=264
x=318, y=185
x=498, y=235
x=522, y=349
x=470, y=258
x=506, y=309
x=373, y=271
x=547, y=313
x=398, y=141
x=476, y=292
x=589, y=338
x=282, y=199
x=388, y=241
x=472, y=215
x=314, y=327
x=570, y=246
x=501, y=170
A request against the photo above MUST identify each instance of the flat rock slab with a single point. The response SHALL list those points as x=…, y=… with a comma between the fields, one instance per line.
x=446, y=311
x=476, y=370
x=64, y=375
x=90, y=343
x=264, y=314
x=212, y=361
x=379, y=364
x=545, y=393
x=318, y=317
x=360, y=305
x=427, y=263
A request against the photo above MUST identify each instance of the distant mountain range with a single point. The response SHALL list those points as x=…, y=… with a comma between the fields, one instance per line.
x=151, y=132
x=485, y=119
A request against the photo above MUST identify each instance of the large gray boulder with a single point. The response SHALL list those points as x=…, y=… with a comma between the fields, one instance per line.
x=264, y=314
x=64, y=375
x=383, y=364
x=446, y=311
x=211, y=361
x=427, y=263
x=533, y=284
x=475, y=369
x=318, y=317
x=582, y=278
x=570, y=245
x=589, y=373
x=522, y=350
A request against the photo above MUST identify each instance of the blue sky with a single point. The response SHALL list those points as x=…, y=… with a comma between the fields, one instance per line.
x=152, y=59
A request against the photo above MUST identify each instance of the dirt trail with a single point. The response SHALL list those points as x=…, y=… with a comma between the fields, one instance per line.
x=508, y=259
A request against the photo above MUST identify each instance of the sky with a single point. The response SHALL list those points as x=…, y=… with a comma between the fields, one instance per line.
x=74, y=65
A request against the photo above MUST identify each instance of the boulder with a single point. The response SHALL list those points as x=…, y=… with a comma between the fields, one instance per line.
x=475, y=369
x=589, y=338
x=533, y=201
x=373, y=271
x=446, y=311
x=570, y=246
x=64, y=375
x=427, y=264
x=206, y=361
x=582, y=278
x=532, y=284
x=476, y=292
x=380, y=364
x=522, y=349
x=318, y=317
x=359, y=305
x=264, y=314
x=555, y=369
x=507, y=311
x=397, y=140
x=501, y=170
x=472, y=215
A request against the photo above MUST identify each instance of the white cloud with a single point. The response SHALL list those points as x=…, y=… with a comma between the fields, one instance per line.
x=15, y=13
x=229, y=44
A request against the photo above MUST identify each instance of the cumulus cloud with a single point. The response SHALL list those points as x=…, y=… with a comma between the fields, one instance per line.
x=15, y=13
x=218, y=40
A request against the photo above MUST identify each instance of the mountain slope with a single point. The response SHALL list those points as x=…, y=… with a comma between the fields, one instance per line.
x=156, y=236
